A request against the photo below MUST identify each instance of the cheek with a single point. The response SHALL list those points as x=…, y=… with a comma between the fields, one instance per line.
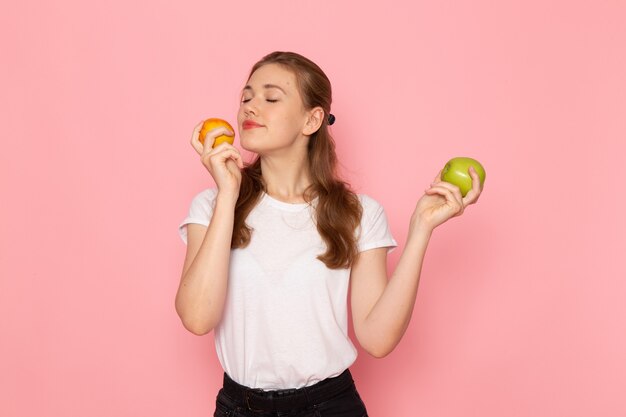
x=286, y=131
x=289, y=123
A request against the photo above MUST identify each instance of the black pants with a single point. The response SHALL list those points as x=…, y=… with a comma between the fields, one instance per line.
x=332, y=397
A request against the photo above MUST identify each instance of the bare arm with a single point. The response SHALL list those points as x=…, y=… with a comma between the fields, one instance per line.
x=381, y=309
x=202, y=290
x=204, y=281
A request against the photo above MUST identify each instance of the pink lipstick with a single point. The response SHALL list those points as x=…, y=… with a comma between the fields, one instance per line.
x=249, y=124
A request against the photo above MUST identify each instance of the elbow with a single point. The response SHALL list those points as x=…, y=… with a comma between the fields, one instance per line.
x=197, y=329
x=377, y=349
x=193, y=324
x=379, y=353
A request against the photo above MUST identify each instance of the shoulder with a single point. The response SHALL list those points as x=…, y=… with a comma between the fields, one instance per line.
x=369, y=203
x=207, y=195
x=373, y=210
x=374, y=228
x=204, y=200
x=200, y=210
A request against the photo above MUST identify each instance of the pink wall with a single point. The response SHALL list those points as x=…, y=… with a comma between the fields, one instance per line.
x=520, y=309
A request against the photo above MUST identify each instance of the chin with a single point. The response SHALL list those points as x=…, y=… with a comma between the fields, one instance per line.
x=247, y=144
x=254, y=145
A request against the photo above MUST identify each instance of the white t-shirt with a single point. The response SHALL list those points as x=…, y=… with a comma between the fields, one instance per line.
x=285, y=321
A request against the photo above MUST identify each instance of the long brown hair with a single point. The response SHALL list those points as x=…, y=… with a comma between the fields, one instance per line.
x=338, y=210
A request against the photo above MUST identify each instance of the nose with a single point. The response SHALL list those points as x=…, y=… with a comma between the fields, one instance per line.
x=249, y=108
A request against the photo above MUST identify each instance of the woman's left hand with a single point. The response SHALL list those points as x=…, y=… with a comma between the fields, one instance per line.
x=443, y=200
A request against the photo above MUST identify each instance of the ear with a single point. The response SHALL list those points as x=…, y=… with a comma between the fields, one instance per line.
x=314, y=121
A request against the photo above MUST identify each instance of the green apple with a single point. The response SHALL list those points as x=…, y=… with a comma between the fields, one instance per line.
x=456, y=172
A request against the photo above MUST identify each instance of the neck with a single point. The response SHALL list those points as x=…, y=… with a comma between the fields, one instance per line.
x=286, y=177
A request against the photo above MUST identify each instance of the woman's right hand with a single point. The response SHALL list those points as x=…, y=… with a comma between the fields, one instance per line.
x=223, y=162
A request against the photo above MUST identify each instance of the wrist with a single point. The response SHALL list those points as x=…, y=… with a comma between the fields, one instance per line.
x=419, y=227
x=225, y=197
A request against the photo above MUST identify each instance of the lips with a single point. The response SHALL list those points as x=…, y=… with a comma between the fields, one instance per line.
x=249, y=124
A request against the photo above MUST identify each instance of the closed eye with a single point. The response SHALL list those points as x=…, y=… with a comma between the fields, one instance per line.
x=245, y=100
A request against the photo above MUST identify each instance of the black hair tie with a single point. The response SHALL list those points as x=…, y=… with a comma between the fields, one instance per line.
x=331, y=118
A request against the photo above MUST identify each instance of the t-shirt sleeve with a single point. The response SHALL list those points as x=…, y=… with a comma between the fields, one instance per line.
x=374, y=229
x=200, y=211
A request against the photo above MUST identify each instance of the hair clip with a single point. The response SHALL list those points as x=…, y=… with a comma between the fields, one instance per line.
x=331, y=119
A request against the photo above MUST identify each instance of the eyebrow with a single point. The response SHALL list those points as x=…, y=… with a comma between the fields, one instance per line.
x=247, y=87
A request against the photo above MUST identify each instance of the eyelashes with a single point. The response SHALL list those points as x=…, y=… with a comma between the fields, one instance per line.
x=248, y=99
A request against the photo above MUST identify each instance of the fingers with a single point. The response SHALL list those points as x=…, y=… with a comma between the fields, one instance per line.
x=456, y=191
x=218, y=131
x=211, y=134
x=195, y=135
x=472, y=195
x=451, y=192
x=225, y=151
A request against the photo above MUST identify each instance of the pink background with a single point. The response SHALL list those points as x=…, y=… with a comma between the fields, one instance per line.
x=520, y=309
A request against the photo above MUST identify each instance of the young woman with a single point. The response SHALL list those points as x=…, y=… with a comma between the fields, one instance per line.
x=274, y=247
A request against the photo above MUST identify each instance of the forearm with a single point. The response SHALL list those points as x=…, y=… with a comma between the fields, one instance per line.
x=202, y=292
x=390, y=316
